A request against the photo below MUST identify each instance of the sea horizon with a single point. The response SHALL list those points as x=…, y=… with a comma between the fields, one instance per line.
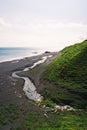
x=16, y=53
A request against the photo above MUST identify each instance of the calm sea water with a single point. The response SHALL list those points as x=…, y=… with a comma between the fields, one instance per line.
x=11, y=53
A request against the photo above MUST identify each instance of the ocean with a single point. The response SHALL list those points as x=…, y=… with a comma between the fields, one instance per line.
x=12, y=53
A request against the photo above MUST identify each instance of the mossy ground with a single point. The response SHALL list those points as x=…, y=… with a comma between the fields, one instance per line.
x=65, y=82
x=67, y=76
x=35, y=119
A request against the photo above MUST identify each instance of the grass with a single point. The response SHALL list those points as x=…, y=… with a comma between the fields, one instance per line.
x=61, y=121
x=67, y=80
x=34, y=119
x=8, y=114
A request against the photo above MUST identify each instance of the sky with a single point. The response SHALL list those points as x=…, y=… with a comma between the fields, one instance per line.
x=51, y=24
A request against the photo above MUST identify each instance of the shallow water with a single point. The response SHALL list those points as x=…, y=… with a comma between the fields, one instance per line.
x=12, y=53
x=29, y=88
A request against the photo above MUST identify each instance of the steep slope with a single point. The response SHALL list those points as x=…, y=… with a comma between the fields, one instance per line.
x=66, y=76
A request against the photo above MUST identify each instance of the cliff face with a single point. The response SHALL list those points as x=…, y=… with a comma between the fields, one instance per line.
x=67, y=76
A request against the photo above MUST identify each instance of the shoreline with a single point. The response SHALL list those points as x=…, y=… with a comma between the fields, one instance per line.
x=11, y=89
x=21, y=57
x=18, y=64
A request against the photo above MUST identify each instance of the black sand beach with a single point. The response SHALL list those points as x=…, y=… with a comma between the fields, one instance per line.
x=8, y=83
x=11, y=89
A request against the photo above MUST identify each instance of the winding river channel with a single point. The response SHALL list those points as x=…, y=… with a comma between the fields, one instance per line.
x=29, y=88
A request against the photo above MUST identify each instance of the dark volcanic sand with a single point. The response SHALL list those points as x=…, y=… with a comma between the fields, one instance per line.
x=11, y=89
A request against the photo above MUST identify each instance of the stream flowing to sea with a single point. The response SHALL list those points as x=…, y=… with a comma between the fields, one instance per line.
x=29, y=88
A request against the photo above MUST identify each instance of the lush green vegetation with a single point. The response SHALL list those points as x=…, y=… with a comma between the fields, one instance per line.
x=35, y=119
x=67, y=76
x=65, y=82
x=8, y=114
x=61, y=121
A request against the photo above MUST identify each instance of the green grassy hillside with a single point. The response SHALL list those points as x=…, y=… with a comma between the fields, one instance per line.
x=66, y=76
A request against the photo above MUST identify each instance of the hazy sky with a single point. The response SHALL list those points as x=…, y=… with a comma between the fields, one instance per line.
x=42, y=23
